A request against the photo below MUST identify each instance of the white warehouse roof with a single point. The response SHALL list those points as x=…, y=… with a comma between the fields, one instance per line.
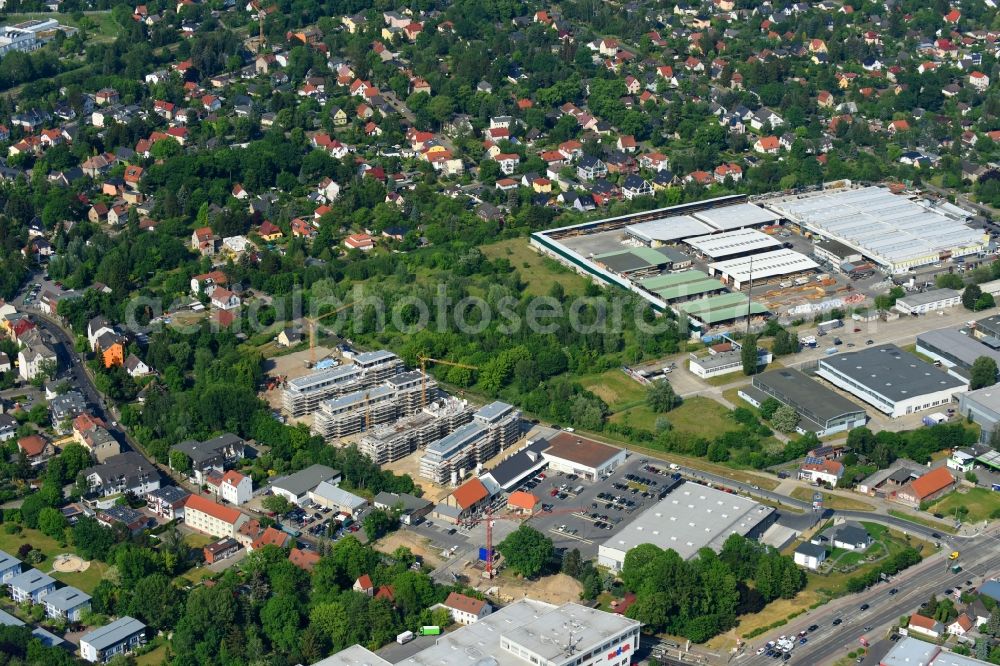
x=668, y=229
x=764, y=265
x=741, y=215
x=728, y=243
x=889, y=229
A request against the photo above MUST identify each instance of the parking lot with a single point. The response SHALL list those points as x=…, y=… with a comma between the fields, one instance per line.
x=319, y=521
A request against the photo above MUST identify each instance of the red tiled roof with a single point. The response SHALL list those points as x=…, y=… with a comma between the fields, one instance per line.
x=463, y=603
x=469, y=493
x=32, y=445
x=364, y=582
x=271, y=537
x=303, y=559
x=932, y=482
x=209, y=507
x=922, y=622
x=522, y=500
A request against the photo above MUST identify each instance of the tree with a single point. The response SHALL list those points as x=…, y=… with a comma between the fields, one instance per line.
x=378, y=523
x=277, y=504
x=526, y=551
x=52, y=522
x=983, y=373
x=180, y=461
x=748, y=354
x=785, y=418
x=571, y=562
x=785, y=343
x=970, y=296
x=660, y=396
x=768, y=408
x=949, y=281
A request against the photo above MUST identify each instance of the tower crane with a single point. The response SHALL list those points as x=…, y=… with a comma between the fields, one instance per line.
x=313, y=323
x=489, y=517
x=423, y=374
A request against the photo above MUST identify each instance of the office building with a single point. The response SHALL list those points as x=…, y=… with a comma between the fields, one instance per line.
x=688, y=519
x=893, y=381
x=303, y=395
x=820, y=409
x=492, y=429
x=390, y=442
x=524, y=633
x=120, y=637
x=398, y=396
x=210, y=518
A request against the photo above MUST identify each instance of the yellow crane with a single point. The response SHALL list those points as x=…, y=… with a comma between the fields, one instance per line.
x=313, y=323
x=423, y=374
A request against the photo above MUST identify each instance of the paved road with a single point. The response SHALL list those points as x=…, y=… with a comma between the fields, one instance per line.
x=980, y=560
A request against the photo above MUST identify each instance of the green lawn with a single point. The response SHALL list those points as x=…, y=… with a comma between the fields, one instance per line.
x=536, y=271
x=980, y=502
x=700, y=416
x=154, y=657
x=926, y=522
x=831, y=501
x=85, y=580
x=198, y=540
x=100, y=24
x=615, y=388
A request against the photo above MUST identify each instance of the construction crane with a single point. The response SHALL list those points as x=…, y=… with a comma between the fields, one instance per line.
x=313, y=323
x=423, y=374
x=489, y=517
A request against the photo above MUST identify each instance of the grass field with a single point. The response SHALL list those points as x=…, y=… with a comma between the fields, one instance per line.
x=85, y=580
x=926, y=522
x=980, y=502
x=154, y=657
x=700, y=416
x=536, y=271
x=615, y=388
x=831, y=501
x=197, y=540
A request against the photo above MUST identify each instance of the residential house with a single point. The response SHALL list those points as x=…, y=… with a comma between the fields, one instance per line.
x=768, y=145
x=122, y=636
x=127, y=517
x=209, y=517
x=465, y=609
x=363, y=242
x=364, y=585
x=203, y=241
x=269, y=232
x=8, y=427
x=925, y=625
x=809, y=555
x=214, y=454
x=123, y=473
x=636, y=186
x=35, y=448
x=220, y=550
x=962, y=625
x=851, y=536
x=206, y=282
x=91, y=433
x=10, y=566
x=135, y=367
x=827, y=471
x=271, y=536
x=304, y=559
x=34, y=359
x=223, y=299
x=591, y=168
x=231, y=487
x=167, y=501
x=31, y=586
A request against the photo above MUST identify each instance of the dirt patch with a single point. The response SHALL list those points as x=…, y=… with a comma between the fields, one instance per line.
x=69, y=563
x=417, y=544
x=557, y=589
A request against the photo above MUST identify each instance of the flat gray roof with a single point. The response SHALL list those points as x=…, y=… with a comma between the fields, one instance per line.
x=549, y=634
x=493, y=411
x=114, y=633
x=459, y=438
x=733, y=242
x=929, y=296
x=7, y=560
x=690, y=518
x=809, y=398
x=339, y=496
x=910, y=651
x=736, y=216
x=988, y=398
x=891, y=372
x=810, y=549
x=31, y=580
x=335, y=375
x=67, y=598
x=957, y=346
x=301, y=482
x=668, y=229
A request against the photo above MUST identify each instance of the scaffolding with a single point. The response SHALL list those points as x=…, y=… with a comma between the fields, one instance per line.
x=388, y=443
x=395, y=398
x=303, y=395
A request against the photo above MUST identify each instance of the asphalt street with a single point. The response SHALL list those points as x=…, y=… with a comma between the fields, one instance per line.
x=979, y=559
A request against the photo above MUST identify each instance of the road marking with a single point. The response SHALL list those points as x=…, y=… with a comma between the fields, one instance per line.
x=571, y=536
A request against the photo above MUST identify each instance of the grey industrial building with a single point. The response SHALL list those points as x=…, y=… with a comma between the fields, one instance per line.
x=891, y=380
x=295, y=487
x=820, y=409
x=391, y=441
x=492, y=429
x=927, y=301
x=523, y=633
x=955, y=350
x=983, y=407
x=303, y=395
x=688, y=519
